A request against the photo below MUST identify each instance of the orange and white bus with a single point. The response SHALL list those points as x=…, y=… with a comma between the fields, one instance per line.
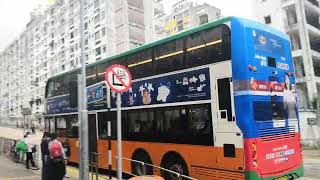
x=214, y=102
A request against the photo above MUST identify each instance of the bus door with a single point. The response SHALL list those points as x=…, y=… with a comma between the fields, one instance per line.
x=228, y=136
x=92, y=123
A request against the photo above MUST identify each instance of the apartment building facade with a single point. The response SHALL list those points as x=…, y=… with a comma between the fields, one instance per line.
x=50, y=45
x=185, y=14
x=300, y=19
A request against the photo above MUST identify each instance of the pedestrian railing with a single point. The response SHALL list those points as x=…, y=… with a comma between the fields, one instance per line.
x=95, y=165
x=8, y=149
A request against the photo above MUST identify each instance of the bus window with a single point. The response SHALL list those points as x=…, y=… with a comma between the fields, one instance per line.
x=103, y=118
x=52, y=125
x=49, y=88
x=141, y=122
x=169, y=57
x=61, y=128
x=199, y=124
x=208, y=46
x=268, y=110
x=47, y=124
x=91, y=75
x=218, y=43
x=196, y=51
x=74, y=126
x=172, y=123
x=140, y=64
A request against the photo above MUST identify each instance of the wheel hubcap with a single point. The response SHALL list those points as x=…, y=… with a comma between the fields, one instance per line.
x=176, y=168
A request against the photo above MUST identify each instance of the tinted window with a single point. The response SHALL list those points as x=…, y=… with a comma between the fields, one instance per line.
x=268, y=110
x=169, y=57
x=91, y=75
x=208, y=46
x=103, y=119
x=141, y=124
x=181, y=124
x=140, y=64
x=67, y=126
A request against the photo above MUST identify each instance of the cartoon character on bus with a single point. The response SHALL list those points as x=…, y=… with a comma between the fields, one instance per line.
x=145, y=90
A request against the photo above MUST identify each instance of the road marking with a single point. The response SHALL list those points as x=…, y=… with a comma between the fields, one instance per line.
x=74, y=172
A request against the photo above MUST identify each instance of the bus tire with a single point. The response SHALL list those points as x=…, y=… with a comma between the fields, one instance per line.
x=138, y=168
x=174, y=162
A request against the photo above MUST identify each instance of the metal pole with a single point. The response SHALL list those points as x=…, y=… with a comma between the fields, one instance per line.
x=109, y=150
x=119, y=170
x=84, y=147
x=79, y=120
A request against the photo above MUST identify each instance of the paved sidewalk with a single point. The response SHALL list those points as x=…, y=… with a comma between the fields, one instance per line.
x=7, y=167
x=11, y=171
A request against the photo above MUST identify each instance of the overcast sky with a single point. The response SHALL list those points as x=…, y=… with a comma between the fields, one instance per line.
x=14, y=14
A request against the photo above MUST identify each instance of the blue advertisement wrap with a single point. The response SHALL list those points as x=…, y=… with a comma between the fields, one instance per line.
x=182, y=87
x=96, y=101
x=59, y=105
x=269, y=43
x=95, y=93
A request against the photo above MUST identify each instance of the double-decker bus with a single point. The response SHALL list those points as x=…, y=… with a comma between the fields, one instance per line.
x=214, y=102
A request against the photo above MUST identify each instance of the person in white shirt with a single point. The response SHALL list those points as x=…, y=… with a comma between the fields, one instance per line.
x=29, y=154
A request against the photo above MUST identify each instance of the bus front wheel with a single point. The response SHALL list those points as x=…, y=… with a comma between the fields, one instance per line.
x=177, y=165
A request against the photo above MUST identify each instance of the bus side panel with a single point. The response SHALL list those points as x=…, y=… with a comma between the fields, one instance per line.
x=74, y=156
x=201, y=166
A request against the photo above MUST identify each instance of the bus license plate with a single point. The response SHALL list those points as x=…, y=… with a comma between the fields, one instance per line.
x=282, y=178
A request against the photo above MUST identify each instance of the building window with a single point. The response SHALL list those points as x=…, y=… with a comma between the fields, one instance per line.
x=204, y=19
x=104, y=49
x=267, y=19
x=96, y=3
x=71, y=35
x=103, y=31
x=98, y=51
x=97, y=35
x=103, y=15
x=180, y=25
x=96, y=19
x=316, y=67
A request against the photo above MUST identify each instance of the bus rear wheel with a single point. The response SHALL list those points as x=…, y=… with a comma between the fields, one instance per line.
x=138, y=168
x=177, y=165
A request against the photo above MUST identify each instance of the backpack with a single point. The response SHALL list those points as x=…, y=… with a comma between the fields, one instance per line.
x=55, y=150
x=21, y=146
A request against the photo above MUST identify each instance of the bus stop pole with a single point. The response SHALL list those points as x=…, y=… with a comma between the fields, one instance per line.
x=119, y=165
x=84, y=147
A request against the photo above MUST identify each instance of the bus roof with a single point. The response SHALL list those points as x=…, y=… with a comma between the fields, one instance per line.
x=155, y=43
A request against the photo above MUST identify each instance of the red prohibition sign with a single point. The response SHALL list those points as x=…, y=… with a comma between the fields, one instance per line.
x=118, y=78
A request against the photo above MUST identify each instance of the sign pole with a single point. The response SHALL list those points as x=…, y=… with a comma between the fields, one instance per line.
x=119, y=170
x=119, y=80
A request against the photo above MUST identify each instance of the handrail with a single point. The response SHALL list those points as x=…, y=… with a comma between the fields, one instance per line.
x=147, y=164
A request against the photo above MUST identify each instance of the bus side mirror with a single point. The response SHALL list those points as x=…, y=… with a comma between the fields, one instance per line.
x=73, y=94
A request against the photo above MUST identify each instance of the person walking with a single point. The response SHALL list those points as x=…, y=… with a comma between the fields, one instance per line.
x=33, y=129
x=58, y=159
x=45, y=155
x=29, y=153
